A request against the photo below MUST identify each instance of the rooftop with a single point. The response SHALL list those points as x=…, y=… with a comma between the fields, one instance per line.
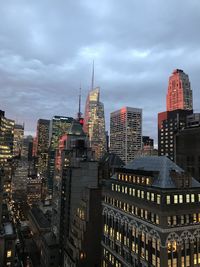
x=40, y=218
x=163, y=167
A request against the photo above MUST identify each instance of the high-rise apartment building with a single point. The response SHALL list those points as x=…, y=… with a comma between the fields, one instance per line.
x=126, y=132
x=18, y=139
x=94, y=123
x=151, y=216
x=169, y=123
x=42, y=146
x=59, y=126
x=179, y=95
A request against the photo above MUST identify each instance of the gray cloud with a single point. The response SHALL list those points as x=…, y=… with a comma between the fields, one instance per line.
x=47, y=47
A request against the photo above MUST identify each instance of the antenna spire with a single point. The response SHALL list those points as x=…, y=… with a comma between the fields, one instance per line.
x=79, y=104
x=92, y=85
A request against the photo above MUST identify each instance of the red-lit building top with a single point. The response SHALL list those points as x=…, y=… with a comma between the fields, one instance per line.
x=179, y=95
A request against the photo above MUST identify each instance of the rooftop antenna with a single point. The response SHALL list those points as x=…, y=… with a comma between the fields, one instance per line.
x=79, y=104
x=92, y=85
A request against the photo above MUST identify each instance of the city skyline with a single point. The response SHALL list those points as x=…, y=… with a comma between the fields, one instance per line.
x=42, y=69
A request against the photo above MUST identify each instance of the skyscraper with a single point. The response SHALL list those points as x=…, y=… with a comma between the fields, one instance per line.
x=94, y=124
x=18, y=139
x=169, y=123
x=179, y=106
x=59, y=125
x=126, y=132
x=42, y=145
x=179, y=95
x=6, y=138
x=187, y=143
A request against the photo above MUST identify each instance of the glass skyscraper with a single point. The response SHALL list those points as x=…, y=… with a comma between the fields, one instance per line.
x=94, y=124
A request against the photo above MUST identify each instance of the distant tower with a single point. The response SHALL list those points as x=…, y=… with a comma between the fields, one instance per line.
x=179, y=106
x=94, y=121
x=126, y=133
x=179, y=95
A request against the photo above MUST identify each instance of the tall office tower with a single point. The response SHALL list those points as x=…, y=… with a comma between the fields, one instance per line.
x=169, y=123
x=151, y=216
x=6, y=138
x=42, y=146
x=94, y=123
x=78, y=171
x=126, y=132
x=7, y=233
x=179, y=106
x=187, y=144
x=6, y=152
x=59, y=126
x=179, y=95
x=18, y=139
x=27, y=148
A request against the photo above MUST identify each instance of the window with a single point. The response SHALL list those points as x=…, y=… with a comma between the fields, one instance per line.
x=192, y=198
x=152, y=196
x=158, y=199
x=187, y=198
x=180, y=198
x=175, y=199
x=168, y=200
x=148, y=196
x=9, y=253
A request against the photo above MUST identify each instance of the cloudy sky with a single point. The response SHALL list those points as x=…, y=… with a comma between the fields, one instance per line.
x=47, y=48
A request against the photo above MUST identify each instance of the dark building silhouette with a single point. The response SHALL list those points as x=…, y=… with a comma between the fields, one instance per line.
x=188, y=146
x=169, y=123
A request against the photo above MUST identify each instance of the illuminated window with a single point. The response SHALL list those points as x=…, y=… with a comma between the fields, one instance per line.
x=9, y=253
x=148, y=196
x=133, y=192
x=192, y=198
x=180, y=198
x=187, y=198
x=158, y=199
x=147, y=181
x=142, y=194
x=168, y=200
x=175, y=199
x=152, y=196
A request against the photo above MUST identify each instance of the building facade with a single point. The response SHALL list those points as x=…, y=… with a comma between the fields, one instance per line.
x=94, y=123
x=151, y=216
x=187, y=144
x=42, y=146
x=18, y=139
x=126, y=133
x=169, y=123
x=179, y=95
x=59, y=125
x=6, y=138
